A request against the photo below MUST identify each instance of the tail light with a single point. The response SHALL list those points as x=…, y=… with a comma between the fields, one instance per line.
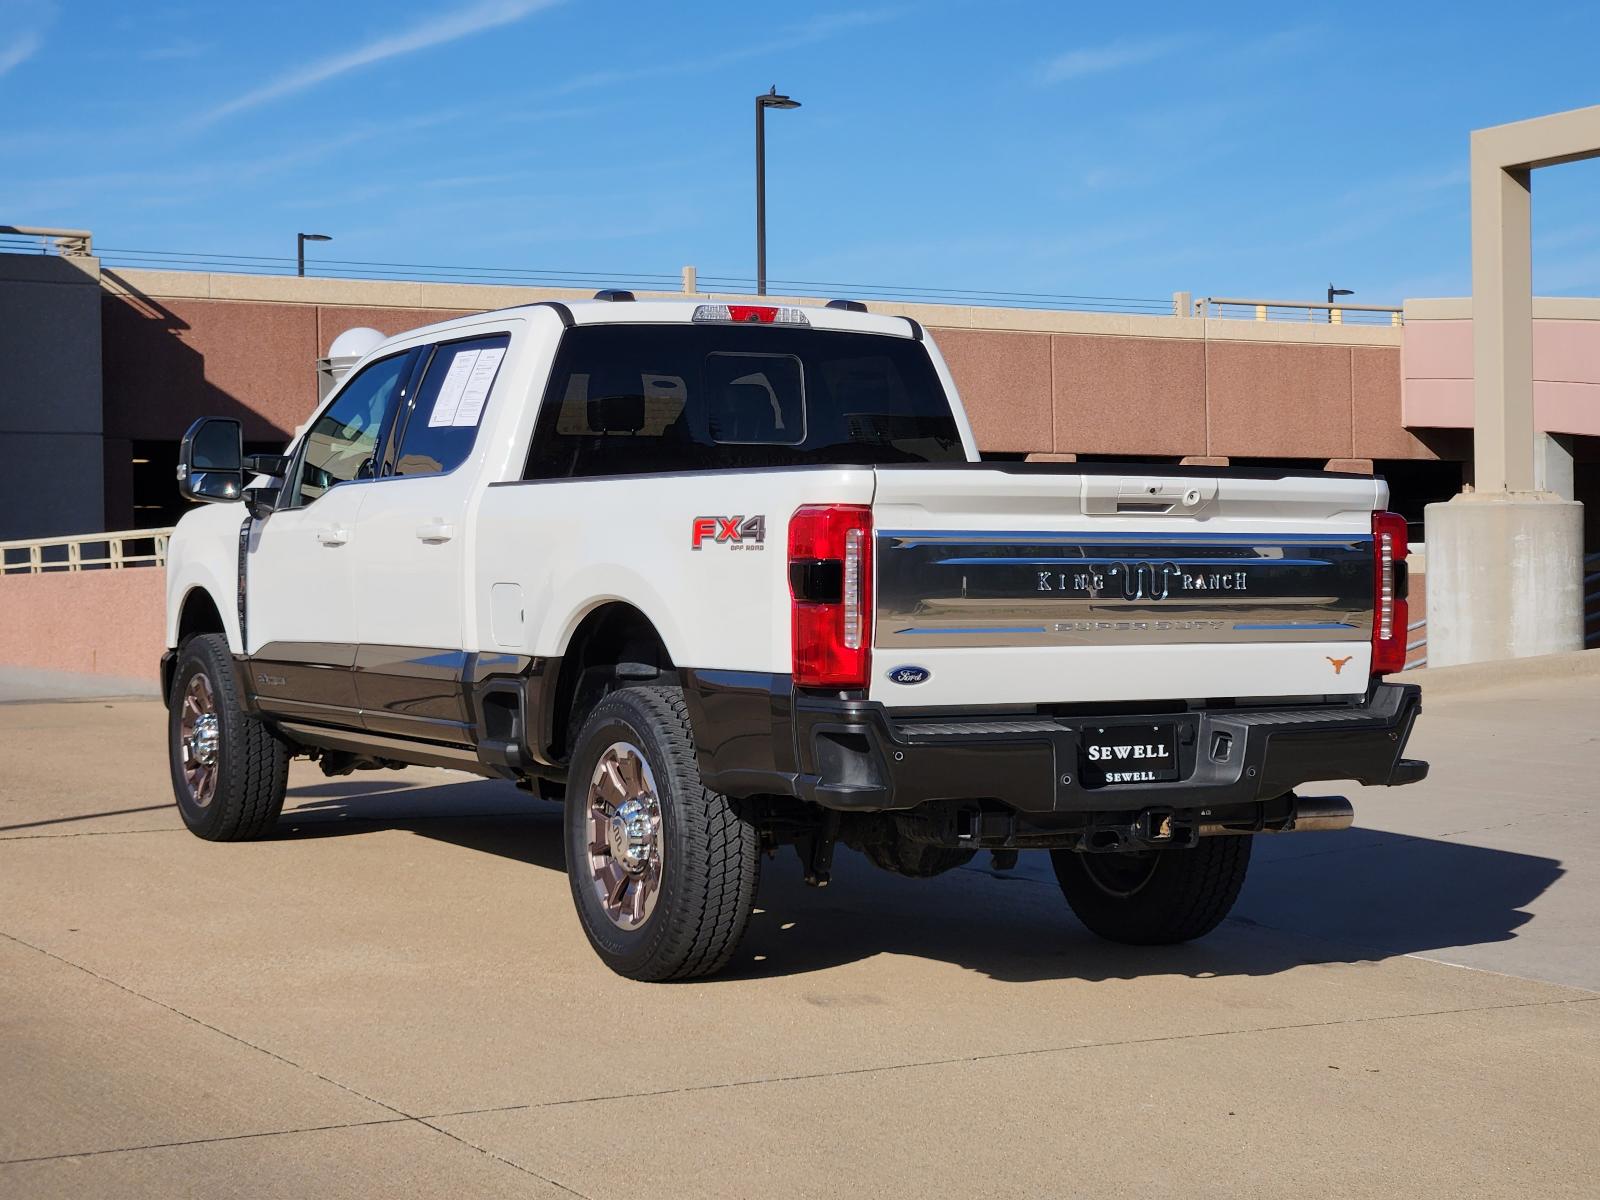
x=830, y=580
x=1390, y=614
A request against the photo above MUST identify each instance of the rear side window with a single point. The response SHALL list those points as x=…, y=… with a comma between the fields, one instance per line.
x=632, y=399
x=449, y=405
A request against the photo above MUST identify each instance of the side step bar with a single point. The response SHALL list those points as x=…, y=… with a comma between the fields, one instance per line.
x=377, y=745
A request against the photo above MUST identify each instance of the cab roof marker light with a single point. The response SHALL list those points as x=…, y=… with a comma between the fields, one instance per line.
x=748, y=314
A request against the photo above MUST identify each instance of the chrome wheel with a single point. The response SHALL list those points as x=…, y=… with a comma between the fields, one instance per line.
x=200, y=739
x=1123, y=874
x=625, y=842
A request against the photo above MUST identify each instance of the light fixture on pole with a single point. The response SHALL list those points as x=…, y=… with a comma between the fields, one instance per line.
x=300, y=248
x=1332, y=292
x=766, y=100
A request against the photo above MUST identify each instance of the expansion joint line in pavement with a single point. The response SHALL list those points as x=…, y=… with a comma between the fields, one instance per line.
x=400, y=1115
x=889, y=1068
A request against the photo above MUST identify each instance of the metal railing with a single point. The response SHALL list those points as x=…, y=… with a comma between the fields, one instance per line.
x=1245, y=309
x=41, y=239
x=689, y=280
x=19, y=239
x=86, y=552
x=1420, y=643
x=1591, y=601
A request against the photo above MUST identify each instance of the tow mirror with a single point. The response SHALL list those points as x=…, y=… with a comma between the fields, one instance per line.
x=274, y=466
x=211, y=461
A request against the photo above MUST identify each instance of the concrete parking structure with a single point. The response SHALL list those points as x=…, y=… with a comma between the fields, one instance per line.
x=392, y=996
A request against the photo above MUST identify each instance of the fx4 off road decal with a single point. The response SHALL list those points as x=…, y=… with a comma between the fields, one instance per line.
x=738, y=533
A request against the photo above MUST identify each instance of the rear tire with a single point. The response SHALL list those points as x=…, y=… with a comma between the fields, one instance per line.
x=229, y=771
x=663, y=870
x=1154, y=897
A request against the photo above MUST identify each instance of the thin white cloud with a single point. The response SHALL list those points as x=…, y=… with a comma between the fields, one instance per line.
x=18, y=50
x=1136, y=52
x=1113, y=56
x=817, y=29
x=448, y=27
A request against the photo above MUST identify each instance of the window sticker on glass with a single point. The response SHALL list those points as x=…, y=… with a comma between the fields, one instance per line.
x=448, y=403
x=479, y=381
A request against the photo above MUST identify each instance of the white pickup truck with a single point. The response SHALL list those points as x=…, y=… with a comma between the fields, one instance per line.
x=725, y=577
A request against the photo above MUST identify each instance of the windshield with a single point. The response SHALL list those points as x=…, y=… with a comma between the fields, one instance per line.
x=630, y=399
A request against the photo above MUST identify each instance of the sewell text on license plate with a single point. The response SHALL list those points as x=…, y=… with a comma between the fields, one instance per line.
x=1143, y=753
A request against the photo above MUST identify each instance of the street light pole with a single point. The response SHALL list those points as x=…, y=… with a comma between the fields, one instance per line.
x=766, y=100
x=1332, y=292
x=300, y=240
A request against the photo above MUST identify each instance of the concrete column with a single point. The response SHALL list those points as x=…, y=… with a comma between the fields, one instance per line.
x=1552, y=464
x=1504, y=577
x=1505, y=561
x=1502, y=325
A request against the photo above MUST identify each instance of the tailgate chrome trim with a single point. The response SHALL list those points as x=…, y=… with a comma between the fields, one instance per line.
x=963, y=588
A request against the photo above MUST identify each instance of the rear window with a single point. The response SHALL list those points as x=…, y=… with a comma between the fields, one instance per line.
x=631, y=399
x=449, y=405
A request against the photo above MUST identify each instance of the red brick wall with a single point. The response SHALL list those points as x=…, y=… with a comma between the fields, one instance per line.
x=95, y=622
x=169, y=361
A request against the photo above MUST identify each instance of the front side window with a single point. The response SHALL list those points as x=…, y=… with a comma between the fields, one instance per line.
x=341, y=444
x=444, y=418
x=633, y=399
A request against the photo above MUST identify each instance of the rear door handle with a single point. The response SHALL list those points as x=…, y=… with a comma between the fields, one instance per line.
x=436, y=530
x=338, y=535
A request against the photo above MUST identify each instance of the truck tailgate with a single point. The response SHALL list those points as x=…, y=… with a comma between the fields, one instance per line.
x=1006, y=586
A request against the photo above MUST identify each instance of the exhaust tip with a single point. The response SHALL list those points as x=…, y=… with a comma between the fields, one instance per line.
x=1317, y=813
x=1306, y=814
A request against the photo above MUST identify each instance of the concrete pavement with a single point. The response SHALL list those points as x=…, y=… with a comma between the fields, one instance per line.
x=393, y=996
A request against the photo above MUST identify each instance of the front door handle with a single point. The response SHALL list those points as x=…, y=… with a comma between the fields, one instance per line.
x=336, y=535
x=436, y=530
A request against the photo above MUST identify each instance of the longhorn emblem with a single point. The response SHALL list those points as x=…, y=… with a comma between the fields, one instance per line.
x=1338, y=663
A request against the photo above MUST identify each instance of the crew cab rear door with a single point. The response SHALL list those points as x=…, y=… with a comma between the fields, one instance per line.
x=1038, y=585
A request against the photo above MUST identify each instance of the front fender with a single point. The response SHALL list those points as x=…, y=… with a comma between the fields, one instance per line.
x=204, y=554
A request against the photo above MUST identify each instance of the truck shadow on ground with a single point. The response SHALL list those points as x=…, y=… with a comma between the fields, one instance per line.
x=1350, y=897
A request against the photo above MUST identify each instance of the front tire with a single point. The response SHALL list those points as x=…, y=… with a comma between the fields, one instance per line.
x=663, y=870
x=1154, y=897
x=229, y=771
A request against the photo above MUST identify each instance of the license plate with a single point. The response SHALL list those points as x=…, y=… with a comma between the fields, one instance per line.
x=1129, y=753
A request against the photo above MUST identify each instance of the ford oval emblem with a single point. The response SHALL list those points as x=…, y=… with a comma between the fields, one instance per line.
x=909, y=674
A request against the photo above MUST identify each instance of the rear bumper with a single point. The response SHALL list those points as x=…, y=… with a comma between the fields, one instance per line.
x=756, y=737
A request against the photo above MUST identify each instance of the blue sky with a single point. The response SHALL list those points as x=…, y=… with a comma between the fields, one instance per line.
x=1119, y=150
